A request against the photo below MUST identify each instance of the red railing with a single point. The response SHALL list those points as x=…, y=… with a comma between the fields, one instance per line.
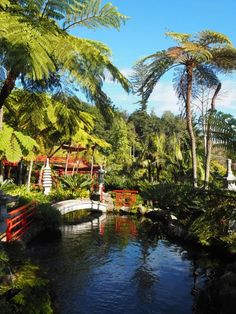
x=125, y=198
x=19, y=221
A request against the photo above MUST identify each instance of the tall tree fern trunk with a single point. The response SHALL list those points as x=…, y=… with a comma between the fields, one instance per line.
x=1, y=118
x=8, y=86
x=208, y=137
x=190, y=122
x=29, y=174
x=40, y=182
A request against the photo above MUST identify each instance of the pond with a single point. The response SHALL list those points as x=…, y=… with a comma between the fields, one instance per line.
x=120, y=265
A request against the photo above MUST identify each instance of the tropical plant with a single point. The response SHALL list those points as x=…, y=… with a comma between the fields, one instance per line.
x=224, y=129
x=14, y=145
x=209, y=142
x=36, y=47
x=7, y=185
x=75, y=182
x=199, y=59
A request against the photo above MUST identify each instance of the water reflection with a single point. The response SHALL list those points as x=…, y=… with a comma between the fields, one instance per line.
x=119, y=265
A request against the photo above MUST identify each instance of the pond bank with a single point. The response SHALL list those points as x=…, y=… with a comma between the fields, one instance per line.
x=221, y=287
x=126, y=263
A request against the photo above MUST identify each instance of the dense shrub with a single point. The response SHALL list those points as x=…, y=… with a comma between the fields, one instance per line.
x=26, y=292
x=47, y=217
x=206, y=214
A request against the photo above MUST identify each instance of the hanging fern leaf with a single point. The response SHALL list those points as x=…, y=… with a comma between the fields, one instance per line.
x=4, y=4
x=15, y=145
x=5, y=137
x=13, y=151
x=90, y=14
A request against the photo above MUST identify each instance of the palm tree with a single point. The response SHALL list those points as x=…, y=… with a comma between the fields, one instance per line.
x=199, y=57
x=34, y=46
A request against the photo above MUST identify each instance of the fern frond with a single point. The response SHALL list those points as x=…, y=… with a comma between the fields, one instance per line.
x=179, y=37
x=210, y=38
x=224, y=59
x=197, y=51
x=22, y=41
x=90, y=14
x=14, y=145
x=4, y=4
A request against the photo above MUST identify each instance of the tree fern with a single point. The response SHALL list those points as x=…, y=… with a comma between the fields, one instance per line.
x=200, y=58
x=35, y=47
x=90, y=14
x=15, y=145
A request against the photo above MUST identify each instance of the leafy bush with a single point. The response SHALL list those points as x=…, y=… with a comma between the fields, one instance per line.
x=47, y=217
x=116, y=181
x=60, y=194
x=30, y=293
x=7, y=185
x=205, y=214
x=25, y=196
x=75, y=182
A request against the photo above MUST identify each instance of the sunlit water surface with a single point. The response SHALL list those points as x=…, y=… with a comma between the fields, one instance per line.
x=117, y=265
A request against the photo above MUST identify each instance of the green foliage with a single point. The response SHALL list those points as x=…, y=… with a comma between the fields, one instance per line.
x=197, y=61
x=47, y=217
x=7, y=185
x=223, y=130
x=42, y=51
x=14, y=145
x=32, y=294
x=117, y=181
x=61, y=194
x=205, y=214
x=89, y=14
x=25, y=196
x=75, y=182
x=119, y=138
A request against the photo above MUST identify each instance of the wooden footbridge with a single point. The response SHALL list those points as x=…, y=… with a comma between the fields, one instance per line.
x=72, y=205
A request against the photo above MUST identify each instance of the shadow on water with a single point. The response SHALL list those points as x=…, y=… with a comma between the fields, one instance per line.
x=114, y=264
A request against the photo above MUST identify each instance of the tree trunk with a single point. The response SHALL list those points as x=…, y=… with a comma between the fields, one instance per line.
x=20, y=172
x=92, y=164
x=190, y=122
x=208, y=137
x=1, y=118
x=92, y=161
x=67, y=162
x=1, y=171
x=8, y=86
x=29, y=174
x=149, y=171
x=41, y=176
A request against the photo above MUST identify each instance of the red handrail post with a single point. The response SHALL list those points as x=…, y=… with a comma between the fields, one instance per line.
x=20, y=220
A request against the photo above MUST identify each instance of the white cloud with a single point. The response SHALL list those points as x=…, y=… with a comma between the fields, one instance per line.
x=227, y=99
x=163, y=98
x=127, y=72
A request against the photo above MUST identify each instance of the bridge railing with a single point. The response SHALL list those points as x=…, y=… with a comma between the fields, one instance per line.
x=19, y=221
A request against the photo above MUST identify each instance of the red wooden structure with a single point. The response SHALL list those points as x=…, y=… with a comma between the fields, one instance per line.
x=19, y=221
x=125, y=198
x=122, y=226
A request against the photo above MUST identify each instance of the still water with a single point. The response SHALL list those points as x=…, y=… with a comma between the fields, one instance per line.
x=119, y=265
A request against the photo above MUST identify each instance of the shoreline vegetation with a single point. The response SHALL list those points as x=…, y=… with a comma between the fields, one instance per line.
x=176, y=162
x=195, y=217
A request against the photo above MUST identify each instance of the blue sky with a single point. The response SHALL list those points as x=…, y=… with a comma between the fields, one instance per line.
x=144, y=33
